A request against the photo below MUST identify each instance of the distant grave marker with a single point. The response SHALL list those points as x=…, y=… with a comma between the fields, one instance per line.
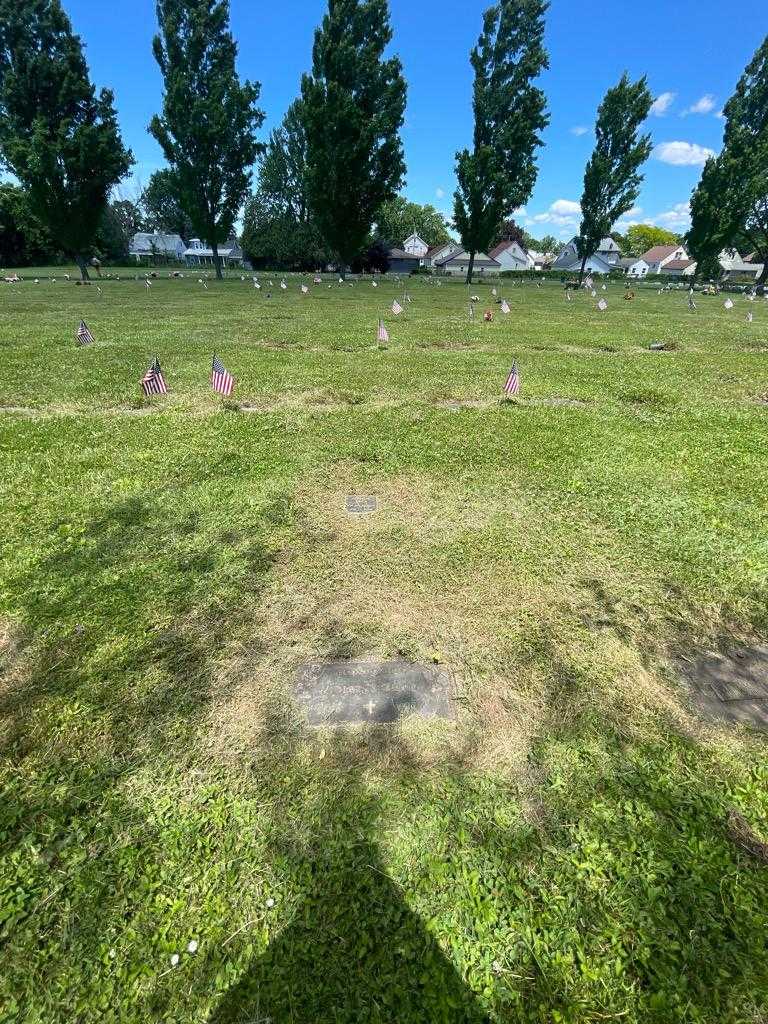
x=362, y=505
x=372, y=692
x=733, y=686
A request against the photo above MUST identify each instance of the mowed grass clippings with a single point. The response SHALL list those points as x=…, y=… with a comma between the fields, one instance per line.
x=560, y=852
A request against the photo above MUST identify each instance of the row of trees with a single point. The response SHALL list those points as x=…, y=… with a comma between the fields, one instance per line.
x=334, y=168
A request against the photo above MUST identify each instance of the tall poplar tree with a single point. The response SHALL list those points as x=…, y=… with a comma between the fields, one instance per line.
x=612, y=177
x=57, y=136
x=498, y=175
x=208, y=126
x=730, y=202
x=352, y=107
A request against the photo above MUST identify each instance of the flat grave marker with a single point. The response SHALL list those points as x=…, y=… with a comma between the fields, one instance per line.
x=732, y=686
x=362, y=504
x=373, y=692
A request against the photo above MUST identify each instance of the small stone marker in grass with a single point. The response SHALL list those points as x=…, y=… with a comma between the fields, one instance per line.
x=732, y=686
x=372, y=692
x=362, y=505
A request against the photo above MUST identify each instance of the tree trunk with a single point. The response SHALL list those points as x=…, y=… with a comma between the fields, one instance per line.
x=581, y=272
x=471, y=267
x=764, y=275
x=83, y=268
x=216, y=260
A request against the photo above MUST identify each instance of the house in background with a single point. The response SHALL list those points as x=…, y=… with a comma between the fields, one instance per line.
x=658, y=258
x=541, y=260
x=415, y=245
x=155, y=245
x=735, y=267
x=402, y=262
x=457, y=263
x=200, y=255
x=603, y=261
x=512, y=256
x=439, y=252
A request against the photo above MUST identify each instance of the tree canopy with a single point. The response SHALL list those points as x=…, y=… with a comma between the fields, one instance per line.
x=160, y=206
x=499, y=173
x=208, y=126
x=278, y=229
x=398, y=218
x=730, y=204
x=352, y=109
x=57, y=136
x=612, y=177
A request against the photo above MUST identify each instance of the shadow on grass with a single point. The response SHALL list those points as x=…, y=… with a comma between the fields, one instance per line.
x=353, y=949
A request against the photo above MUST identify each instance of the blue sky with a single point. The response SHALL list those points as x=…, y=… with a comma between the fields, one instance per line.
x=693, y=52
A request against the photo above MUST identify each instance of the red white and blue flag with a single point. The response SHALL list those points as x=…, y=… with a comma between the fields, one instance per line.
x=221, y=379
x=383, y=333
x=512, y=385
x=397, y=309
x=153, y=382
x=84, y=336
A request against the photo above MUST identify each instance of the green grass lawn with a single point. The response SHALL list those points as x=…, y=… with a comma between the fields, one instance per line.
x=559, y=853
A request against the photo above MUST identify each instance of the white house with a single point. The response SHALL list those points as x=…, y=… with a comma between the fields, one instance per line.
x=735, y=266
x=457, y=263
x=657, y=258
x=603, y=261
x=512, y=256
x=415, y=245
x=155, y=244
x=541, y=260
x=199, y=254
x=439, y=252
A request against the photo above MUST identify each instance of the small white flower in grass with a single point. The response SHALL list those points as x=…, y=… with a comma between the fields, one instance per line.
x=175, y=960
x=192, y=946
x=270, y=903
x=496, y=967
x=112, y=954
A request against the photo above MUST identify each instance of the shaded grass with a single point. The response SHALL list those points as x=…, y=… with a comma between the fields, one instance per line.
x=560, y=853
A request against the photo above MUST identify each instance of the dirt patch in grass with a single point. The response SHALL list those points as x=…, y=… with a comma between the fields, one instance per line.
x=395, y=584
x=312, y=401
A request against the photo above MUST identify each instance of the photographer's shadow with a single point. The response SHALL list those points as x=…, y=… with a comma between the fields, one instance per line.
x=353, y=950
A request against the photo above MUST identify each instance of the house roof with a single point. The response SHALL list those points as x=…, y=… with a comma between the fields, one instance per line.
x=401, y=254
x=659, y=253
x=434, y=249
x=627, y=261
x=502, y=247
x=462, y=256
x=677, y=264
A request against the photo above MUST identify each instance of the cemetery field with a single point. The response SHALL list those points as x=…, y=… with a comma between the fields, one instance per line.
x=559, y=851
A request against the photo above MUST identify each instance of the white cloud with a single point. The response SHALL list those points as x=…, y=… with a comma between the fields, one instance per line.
x=440, y=193
x=579, y=129
x=720, y=115
x=683, y=154
x=563, y=213
x=662, y=103
x=703, y=106
x=676, y=219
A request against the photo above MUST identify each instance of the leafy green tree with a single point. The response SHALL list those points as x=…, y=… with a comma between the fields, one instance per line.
x=208, y=126
x=57, y=136
x=160, y=207
x=612, y=178
x=398, y=218
x=278, y=230
x=352, y=108
x=509, y=231
x=642, y=237
x=113, y=238
x=730, y=203
x=24, y=241
x=498, y=175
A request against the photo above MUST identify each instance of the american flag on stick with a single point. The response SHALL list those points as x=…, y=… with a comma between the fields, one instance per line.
x=396, y=308
x=504, y=306
x=382, y=334
x=512, y=385
x=84, y=336
x=304, y=289
x=153, y=382
x=221, y=379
